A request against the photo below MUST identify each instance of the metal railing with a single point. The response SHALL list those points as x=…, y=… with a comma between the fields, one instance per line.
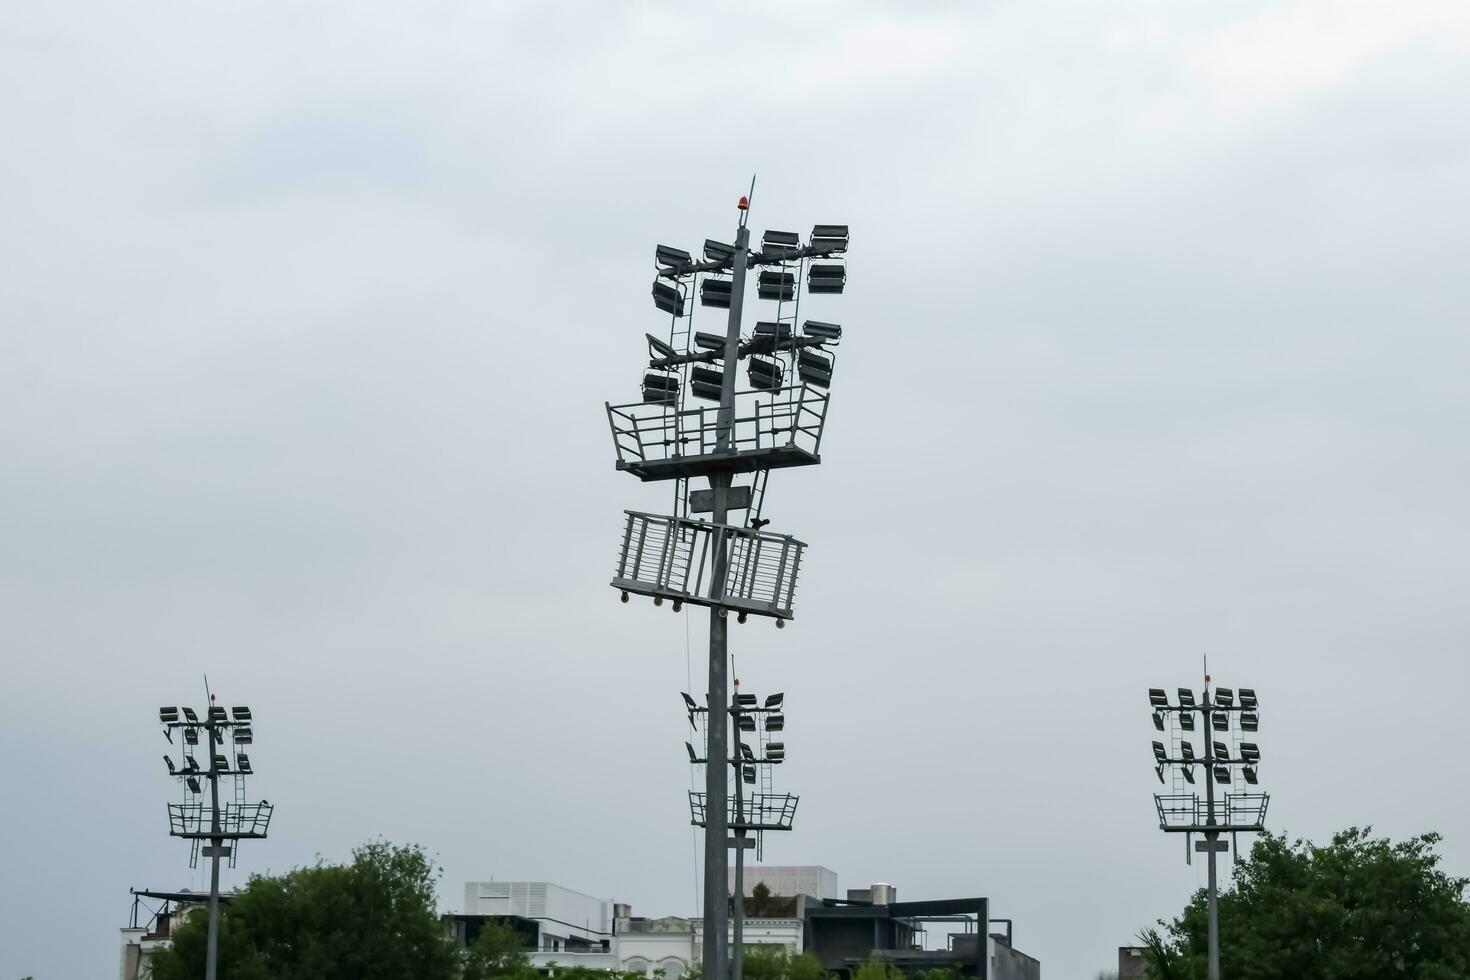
x=195, y=819
x=763, y=811
x=1233, y=811
x=782, y=418
x=672, y=557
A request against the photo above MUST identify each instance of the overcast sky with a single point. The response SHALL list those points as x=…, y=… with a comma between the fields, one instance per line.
x=1156, y=348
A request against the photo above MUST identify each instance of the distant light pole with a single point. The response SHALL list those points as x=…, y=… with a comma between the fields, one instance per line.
x=1243, y=811
x=195, y=820
x=766, y=810
x=775, y=423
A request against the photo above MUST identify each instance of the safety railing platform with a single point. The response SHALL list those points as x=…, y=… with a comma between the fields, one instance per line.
x=772, y=429
x=763, y=811
x=236, y=821
x=673, y=557
x=1187, y=813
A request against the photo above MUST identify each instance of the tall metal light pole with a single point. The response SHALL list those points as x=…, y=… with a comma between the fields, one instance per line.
x=1233, y=765
x=765, y=810
x=777, y=422
x=196, y=821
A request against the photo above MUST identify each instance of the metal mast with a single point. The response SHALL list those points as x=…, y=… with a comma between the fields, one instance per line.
x=1233, y=765
x=214, y=822
x=773, y=424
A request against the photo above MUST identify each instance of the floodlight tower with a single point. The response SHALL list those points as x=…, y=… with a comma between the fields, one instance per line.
x=777, y=422
x=1232, y=764
x=196, y=821
x=765, y=810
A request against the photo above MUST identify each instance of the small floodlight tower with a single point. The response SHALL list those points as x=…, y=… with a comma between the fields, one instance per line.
x=197, y=821
x=774, y=420
x=764, y=809
x=1227, y=759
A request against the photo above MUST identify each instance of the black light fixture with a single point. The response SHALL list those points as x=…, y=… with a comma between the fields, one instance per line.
x=673, y=259
x=668, y=298
x=716, y=292
x=193, y=785
x=1158, y=721
x=772, y=284
x=1224, y=697
x=771, y=328
x=814, y=368
x=190, y=716
x=1157, y=697
x=747, y=723
x=832, y=238
x=1249, y=721
x=706, y=382
x=1249, y=773
x=171, y=769
x=746, y=700
x=1250, y=752
x=1222, y=751
x=774, y=700
x=826, y=277
x=775, y=723
x=243, y=735
x=168, y=715
x=241, y=713
x=820, y=330
x=221, y=762
x=708, y=341
x=1186, y=721
x=748, y=774
x=1186, y=750
x=1188, y=772
x=1159, y=771
x=217, y=714
x=693, y=757
x=242, y=764
x=1220, y=720
x=660, y=388
x=191, y=736
x=1222, y=774
x=718, y=251
x=1186, y=697
x=764, y=373
x=1248, y=698
x=1159, y=752
x=777, y=245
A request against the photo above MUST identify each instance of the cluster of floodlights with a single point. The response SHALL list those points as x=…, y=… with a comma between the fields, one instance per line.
x=212, y=729
x=1217, y=758
x=677, y=271
x=678, y=605
x=745, y=710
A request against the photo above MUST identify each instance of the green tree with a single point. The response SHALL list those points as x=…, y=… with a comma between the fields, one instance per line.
x=498, y=953
x=878, y=968
x=1359, y=908
x=371, y=919
x=767, y=961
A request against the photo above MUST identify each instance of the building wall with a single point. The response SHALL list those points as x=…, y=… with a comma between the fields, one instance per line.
x=562, y=913
x=1131, y=964
x=812, y=879
x=1011, y=964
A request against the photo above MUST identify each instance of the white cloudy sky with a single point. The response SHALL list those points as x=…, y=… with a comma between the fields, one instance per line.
x=1156, y=349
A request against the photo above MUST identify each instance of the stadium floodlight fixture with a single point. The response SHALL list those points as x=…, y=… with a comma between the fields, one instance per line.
x=168, y=716
x=748, y=774
x=1249, y=721
x=1248, y=698
x=668, y=298
x=1224, y=697
x=1186, y=721
x=171, y=770
x=1158, y=721
x=660, y=388
x=1188, y=773
x=1159, y=771
x=814, y=368
x=659, y=348
x=1186, y=750
x=192, y=782
x=773, y=284
x=693, y=756
x=1157, y=698
x=774, y=700
x=746, y=752
x=764, y=373
x=191, y=764
x=829, y=333
x=672, y=259
x=243, y=735
x=778, y=245
x=242, y=763
x=706, y=382
x=1222, y=774
x=1159, y=752
x=826, y=277
x=1186, y=698
x=718, y=251
x=1221, y=721
x=1250, y=752
x=746, y=700
x=708, y=341
x=217, y=714
x=191, y=736
x=190, y=716
x=221, y=763
x=241, y=713
x=829, y=237
x=716, y=293
x=747, y=723
x=1222, y=751
x=771, y=328
x=689, y=702
x=775, y=723
x=1249, y=773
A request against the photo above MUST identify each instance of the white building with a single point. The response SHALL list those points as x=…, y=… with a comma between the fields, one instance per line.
x=789, y=879
x=567, y=921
